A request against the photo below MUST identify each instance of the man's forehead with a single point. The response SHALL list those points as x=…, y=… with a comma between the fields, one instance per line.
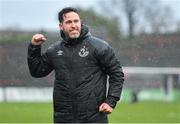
x=71, y=15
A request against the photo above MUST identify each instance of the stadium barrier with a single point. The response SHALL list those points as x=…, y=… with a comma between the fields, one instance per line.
x=26, y=94
x=33, y=94
x=141, y=83
x=152, y=83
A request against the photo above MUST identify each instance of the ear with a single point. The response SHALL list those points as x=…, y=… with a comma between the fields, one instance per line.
x=60, y=26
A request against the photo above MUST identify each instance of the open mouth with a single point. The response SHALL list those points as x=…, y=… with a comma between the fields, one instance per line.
x=74, y=31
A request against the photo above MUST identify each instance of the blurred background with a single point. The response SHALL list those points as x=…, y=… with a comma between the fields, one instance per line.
x=144, y=34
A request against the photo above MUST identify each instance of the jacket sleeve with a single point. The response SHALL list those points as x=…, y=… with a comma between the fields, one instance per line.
x=39, y=65
x=112, y=67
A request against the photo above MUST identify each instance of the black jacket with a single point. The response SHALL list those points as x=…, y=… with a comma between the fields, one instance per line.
x=82, y=67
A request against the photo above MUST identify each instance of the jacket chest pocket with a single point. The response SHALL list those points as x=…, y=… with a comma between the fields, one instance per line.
x=87, y=61
x=61, y=62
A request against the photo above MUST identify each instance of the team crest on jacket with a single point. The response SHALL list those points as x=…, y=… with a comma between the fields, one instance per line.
x=83, y=52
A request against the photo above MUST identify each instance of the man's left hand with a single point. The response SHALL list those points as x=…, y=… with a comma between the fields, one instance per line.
x=104, y=107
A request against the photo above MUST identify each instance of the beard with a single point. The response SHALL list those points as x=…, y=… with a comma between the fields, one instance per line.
x=74, y=36
x=71, y=36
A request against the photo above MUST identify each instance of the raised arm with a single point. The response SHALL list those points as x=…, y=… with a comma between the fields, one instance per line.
x=39, y=65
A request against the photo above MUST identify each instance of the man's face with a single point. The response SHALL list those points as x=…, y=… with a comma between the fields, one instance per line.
x=71, y=25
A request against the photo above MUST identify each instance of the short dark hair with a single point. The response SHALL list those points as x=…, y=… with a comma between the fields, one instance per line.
x=64, y=11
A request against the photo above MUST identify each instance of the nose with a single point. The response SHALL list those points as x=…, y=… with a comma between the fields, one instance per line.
x=73, y=24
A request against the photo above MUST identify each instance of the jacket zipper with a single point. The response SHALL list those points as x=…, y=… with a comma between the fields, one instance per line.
x=72, y=86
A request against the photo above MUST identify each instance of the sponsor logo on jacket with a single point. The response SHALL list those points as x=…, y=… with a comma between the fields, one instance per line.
x=60, y=52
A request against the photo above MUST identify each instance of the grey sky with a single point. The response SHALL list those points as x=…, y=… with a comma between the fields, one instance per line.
x=35, y=14
x=42, y=14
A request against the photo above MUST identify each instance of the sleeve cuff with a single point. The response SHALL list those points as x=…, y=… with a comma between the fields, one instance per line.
x=112, y=101
x=34, y=46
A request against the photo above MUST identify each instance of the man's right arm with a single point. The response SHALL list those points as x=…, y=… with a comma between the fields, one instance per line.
x=38, y=64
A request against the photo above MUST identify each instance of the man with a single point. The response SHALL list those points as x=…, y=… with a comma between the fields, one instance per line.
x=81, y=63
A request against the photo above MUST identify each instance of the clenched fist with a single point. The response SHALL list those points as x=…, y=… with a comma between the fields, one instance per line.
x=38, y=39
x=104, y=107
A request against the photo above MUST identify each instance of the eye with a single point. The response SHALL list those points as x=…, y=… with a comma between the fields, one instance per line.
x=76, y=21
x=68, y=22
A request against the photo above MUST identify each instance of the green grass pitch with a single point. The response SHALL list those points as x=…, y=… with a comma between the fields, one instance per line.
x=141, y=112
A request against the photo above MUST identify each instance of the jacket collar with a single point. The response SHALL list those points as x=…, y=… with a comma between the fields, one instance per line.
x=84, y=33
